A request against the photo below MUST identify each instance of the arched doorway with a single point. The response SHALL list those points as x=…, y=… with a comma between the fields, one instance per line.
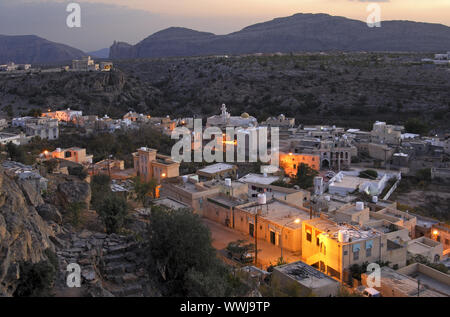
x=325, y=164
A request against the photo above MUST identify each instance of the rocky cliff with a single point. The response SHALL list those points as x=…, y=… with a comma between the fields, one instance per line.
x=24, y=235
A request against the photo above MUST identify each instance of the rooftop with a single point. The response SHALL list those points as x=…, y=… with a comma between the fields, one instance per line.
x=259, y=179
x=216, y=168
x=305, y=274
x=281, y=213
x=170, y=203
x=405, y=283
x=331, y=228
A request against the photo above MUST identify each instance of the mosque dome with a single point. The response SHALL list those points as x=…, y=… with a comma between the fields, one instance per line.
x=245, y=115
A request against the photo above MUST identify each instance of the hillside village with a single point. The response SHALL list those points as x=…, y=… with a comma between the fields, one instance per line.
x=335, y=203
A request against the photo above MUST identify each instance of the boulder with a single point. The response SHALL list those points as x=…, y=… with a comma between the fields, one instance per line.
x=49, y=213
x=74, y=191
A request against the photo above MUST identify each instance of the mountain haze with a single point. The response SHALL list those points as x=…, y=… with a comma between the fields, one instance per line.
x=300, y=32
x=33, y=49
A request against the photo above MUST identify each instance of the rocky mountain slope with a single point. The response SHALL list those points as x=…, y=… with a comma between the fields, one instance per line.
x=24, y=235
x=32, y=49
x=99, y=93
x=333, y=88
x=32, y=227
x=300, y=32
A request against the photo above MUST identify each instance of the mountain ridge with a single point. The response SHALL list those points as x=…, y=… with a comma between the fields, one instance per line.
x=30, y=49
x=299, y=32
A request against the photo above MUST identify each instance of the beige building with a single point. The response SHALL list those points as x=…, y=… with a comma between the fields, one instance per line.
x=148, y=164
x=277, y=222
x=383, y=133
x=218, y=171
x=398, y=284
x=73, y=154
x=440, y=232
x=425, y=247
x=334, y=153
x=333, y=248
x=380, y=152
x=397, y=217
x=189, y=190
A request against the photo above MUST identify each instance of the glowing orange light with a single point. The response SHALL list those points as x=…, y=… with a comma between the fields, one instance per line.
x=229, y=142
x=290, y=154
x=297, y=221
x=163, y=174
x=435, y=232
x=45, y=152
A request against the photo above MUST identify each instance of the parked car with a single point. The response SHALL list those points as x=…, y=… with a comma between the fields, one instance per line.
x=371, y=292
x=241, y=252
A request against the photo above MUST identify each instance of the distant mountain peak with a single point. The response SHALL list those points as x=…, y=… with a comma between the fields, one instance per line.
x=34, y=49
x=295, y=33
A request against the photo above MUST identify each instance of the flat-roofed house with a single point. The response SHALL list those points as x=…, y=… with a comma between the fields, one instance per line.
x=277, y=222
x=218, y=171
x=426, y=248
x=396, y=283
x=304, y=280
x=73, y=154
x=188, y=190
x=334, y=247
x=148, y=165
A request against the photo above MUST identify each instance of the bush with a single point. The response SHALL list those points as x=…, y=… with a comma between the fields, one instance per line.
x=100, y=188
x=77, y=171
x=113, y=211
x=371, y=174
x=36, y=279
x=75, y=209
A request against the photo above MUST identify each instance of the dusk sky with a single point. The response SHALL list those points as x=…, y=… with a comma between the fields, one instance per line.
x=104, y=21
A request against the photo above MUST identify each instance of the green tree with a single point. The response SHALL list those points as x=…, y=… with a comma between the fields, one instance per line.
x=143, y=189
x=182, y=259
x=75, y=209
x=79, y=171
x=36, y=279
x=100, y=188
x=305, y=176
x=113, y=211
x=371, y=174
x=16, y=153
x=415, y=125
x=424, y=174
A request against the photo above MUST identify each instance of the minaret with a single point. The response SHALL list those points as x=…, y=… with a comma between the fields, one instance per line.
x=225, y=115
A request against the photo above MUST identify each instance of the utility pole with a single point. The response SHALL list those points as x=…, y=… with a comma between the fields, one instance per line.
x=256, y=238
x=418, y=287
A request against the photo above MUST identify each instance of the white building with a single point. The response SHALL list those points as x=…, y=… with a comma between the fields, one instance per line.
x=84, y=64
x=226, y=120
x=5, y=138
